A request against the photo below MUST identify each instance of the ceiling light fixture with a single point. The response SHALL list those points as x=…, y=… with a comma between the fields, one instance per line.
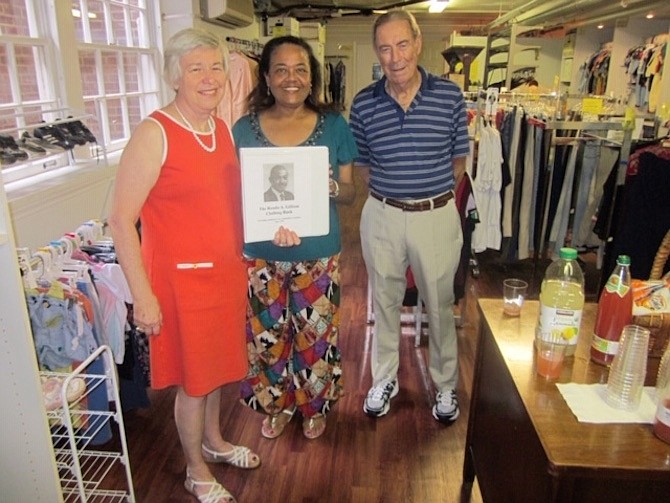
x=650, y=15
x=437, y=6
x=600, y=26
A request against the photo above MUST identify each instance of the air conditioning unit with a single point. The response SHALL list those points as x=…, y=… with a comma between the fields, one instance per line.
x=228, y=13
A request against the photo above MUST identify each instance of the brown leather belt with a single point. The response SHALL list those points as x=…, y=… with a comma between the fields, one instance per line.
x=409, y=205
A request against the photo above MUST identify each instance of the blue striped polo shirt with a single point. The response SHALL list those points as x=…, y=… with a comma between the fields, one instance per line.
x=410, y=153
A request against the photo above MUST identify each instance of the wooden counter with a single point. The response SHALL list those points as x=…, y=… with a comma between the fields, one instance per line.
x=524, y=444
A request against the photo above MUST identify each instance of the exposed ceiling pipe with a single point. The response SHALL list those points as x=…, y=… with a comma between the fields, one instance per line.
x=659, y=7
x=543, y=12
x=535, y=13
x=514, y=12
x=580, y=8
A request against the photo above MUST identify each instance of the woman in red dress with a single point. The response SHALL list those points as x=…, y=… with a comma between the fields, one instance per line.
x=180, y=176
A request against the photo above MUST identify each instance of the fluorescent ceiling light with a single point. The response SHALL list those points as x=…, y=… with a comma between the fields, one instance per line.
x=437, y=6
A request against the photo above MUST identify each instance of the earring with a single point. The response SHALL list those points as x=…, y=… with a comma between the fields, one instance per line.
x=269, y=91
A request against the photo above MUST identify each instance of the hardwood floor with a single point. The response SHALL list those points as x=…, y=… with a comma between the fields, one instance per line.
x=404, y=456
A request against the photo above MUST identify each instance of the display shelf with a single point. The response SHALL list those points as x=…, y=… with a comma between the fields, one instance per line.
x=54, y=157
x=508, y=43
x=499, y=49
x=87, y=474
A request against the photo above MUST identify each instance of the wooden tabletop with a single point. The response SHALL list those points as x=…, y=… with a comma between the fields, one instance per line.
x=570, y=445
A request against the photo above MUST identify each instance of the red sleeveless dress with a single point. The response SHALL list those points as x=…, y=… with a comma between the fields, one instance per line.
x=192, y=251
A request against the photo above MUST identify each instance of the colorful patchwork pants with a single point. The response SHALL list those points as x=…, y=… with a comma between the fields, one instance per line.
x=292, y=329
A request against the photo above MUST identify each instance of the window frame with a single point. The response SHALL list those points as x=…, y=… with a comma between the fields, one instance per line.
x=51, y=32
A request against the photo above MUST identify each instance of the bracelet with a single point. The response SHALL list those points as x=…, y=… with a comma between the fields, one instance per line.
x=337, y=189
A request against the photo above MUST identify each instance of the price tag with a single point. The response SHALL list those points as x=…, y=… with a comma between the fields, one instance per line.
x=592, y=106
x=491, y=101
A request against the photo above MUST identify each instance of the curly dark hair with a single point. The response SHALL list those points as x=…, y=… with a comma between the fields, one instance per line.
x=260, y=99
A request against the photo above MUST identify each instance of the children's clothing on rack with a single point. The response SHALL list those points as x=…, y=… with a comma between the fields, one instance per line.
x=77, y=299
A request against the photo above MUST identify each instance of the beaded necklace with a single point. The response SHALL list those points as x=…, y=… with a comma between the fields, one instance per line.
x=196, y=135
x=311, y=141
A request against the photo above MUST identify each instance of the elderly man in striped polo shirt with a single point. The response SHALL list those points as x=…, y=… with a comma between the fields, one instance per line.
x=411, y=131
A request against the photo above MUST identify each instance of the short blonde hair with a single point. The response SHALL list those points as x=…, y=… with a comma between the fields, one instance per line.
x=185, y=41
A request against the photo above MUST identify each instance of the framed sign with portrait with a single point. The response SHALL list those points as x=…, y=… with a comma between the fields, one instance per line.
x=284, y=186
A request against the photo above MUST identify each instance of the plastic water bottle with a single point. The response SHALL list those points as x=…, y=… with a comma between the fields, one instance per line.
x=615, y=311
x=562, y=301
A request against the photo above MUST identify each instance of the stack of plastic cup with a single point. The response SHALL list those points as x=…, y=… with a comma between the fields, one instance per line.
x=628, y=370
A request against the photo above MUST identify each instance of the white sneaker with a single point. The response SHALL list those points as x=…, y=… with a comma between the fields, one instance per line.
x=446, y=408
x=378, y=401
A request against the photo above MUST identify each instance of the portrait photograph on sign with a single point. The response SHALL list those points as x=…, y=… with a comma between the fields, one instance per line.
x=284, y=186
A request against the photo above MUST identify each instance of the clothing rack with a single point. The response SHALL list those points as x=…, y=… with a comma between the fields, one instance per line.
x=57, y=255
x=584, y=132
x=253, y=47
x=77, y=425
x=563, y=132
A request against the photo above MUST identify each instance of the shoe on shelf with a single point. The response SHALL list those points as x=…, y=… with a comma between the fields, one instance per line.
x=31, y=146
x=208, y=491
x=6, y=157
x=274, y=425
x=446, y=409
x=313, y=427
x=69, y=131
x=378, y=401
x=239, y=456
x=78, y=129
x=34, y=143
x=8, y=144
x=53, y=136
x=87, y=133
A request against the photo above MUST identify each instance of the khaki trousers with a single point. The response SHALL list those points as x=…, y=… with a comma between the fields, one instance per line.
x=430, y=243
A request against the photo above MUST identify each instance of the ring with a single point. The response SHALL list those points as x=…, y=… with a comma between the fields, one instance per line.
x=139, y=329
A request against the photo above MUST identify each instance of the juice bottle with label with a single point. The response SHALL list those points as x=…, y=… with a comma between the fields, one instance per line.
x=615, y=311
x=562, y=301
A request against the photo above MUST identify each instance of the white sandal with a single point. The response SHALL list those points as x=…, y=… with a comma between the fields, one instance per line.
x=239, y=456
x=274, y=425
x=216, y=493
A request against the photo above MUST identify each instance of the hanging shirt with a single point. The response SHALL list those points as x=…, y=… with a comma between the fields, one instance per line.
x=240, y=82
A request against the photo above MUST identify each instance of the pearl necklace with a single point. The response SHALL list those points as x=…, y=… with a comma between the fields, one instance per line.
x=212, y=129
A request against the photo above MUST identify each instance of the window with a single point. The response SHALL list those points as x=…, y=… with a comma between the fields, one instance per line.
x=119, y=64
x=97, y=59
x=24, y=66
